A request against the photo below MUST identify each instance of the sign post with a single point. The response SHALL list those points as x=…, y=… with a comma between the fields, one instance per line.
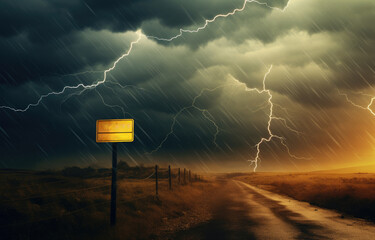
x=114, y=131
x=114, y=184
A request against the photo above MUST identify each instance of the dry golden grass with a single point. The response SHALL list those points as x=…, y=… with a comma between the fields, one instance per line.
x=353, y=194
x=53, y=206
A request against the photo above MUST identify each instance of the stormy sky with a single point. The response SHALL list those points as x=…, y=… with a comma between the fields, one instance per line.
x=198, y=85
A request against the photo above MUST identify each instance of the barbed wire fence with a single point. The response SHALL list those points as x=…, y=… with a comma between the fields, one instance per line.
x=176, y=180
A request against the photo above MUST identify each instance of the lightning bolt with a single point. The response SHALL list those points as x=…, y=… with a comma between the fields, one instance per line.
x=181, y=32
x=109, y=105
x=208, y=21
x=271, y=117
x=81, y=85
x=368, y=107
x=205, y=113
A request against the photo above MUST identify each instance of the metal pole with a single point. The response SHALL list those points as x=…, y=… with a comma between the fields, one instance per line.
x=114, y=184
x=156, y=180
x=179, y=176
x=170, y=177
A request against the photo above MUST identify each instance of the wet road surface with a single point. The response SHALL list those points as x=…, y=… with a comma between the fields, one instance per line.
x=242, y=211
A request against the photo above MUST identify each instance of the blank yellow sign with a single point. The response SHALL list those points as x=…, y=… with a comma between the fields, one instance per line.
x=115, y=130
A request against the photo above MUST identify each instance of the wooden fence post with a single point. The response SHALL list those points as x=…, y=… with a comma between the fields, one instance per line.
x=184, y=176
x=179, y=176
x=169, y=177
x=156, y=180
x=189, y=176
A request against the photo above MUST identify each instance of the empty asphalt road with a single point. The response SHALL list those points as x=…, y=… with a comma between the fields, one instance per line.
x=242, y=211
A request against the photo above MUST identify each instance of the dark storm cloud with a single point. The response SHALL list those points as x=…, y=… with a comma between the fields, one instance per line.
x=38, y=36
x=314, y=46
x=336, y=35
x=42, y=20
x=348, y=49
x=22, y=61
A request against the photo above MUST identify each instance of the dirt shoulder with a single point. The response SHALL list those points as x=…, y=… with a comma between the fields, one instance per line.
x=352, y=194
x=195, y=213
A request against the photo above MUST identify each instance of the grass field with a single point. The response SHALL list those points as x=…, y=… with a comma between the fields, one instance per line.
x=350, y=193
x=74, y=204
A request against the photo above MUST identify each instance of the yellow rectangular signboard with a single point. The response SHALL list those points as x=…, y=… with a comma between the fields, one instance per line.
x=115, y=130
